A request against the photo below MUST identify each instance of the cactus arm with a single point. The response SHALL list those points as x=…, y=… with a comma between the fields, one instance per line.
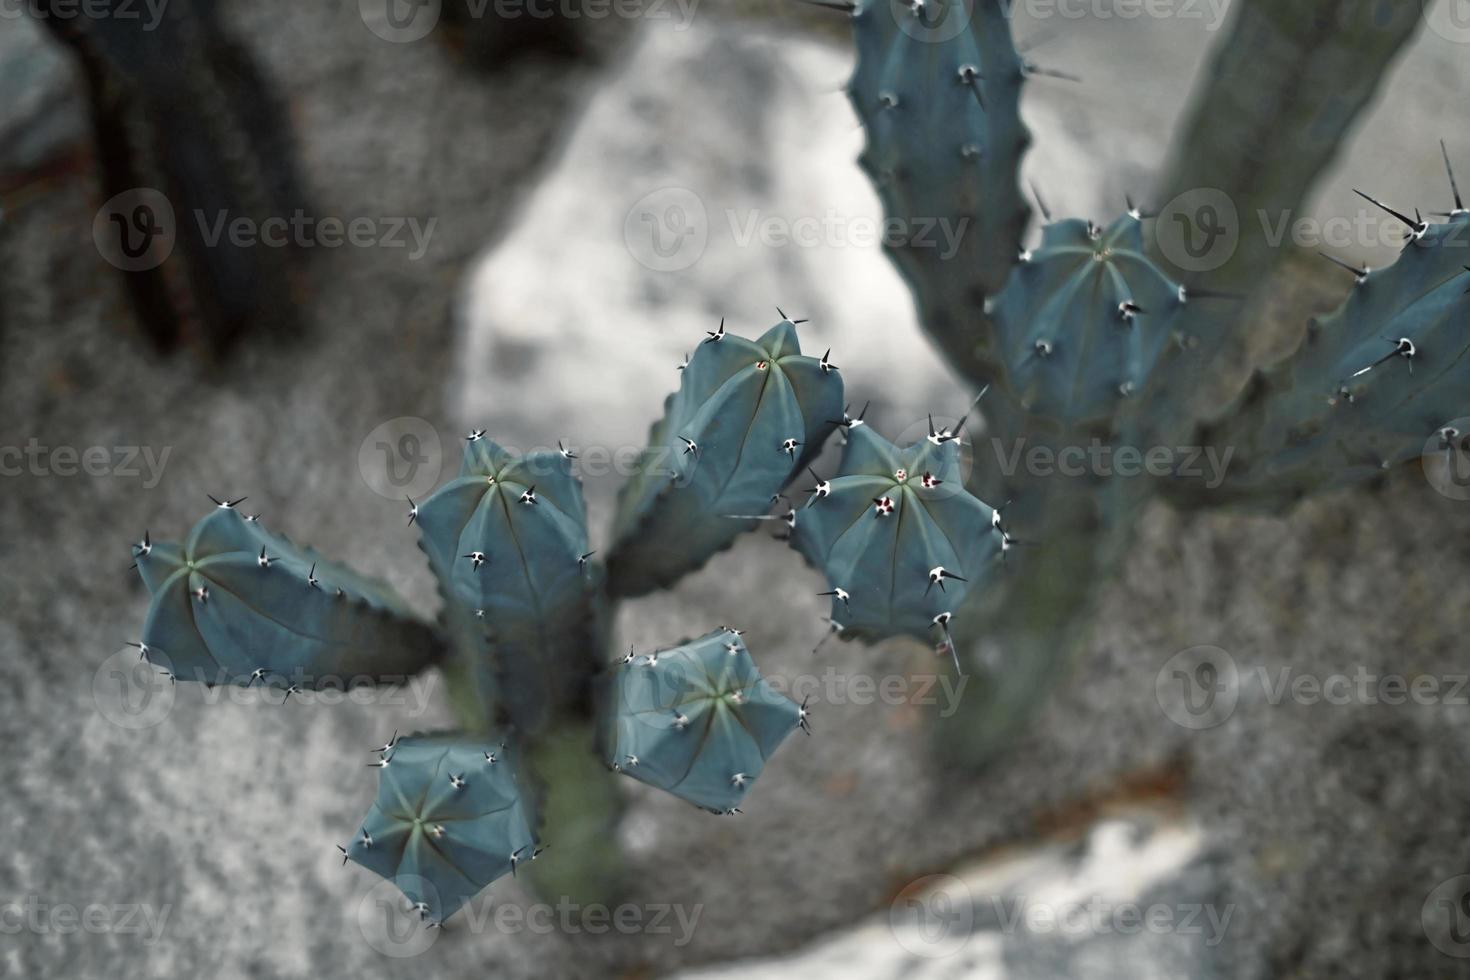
x=242, y=605
x=901, y=541
x=1369, y=386
x=507, y=540
x=1085, y=321
x=447, y=821
x=938, y=90
x=746, y=417
x=1307, y=69
x=698, y=720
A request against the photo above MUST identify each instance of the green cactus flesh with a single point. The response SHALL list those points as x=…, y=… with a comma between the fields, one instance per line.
x=698, y=720
x=1370, y=384
x=1086, y=319
x=747, y=416
x=450, y=818
x=901, y=541
x=507, y=539
x=938, y=89
x=236, y=604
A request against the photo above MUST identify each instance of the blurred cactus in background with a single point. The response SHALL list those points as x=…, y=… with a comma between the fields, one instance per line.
x=1094, y=338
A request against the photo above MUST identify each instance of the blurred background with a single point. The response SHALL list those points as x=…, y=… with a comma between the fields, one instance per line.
x=296, y=250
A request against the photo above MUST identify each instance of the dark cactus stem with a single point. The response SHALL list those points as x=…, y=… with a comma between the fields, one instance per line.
x=1276, y=104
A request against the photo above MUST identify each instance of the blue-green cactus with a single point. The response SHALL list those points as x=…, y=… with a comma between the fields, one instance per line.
x=451, y=817
x=1085, y=320
x=1370, y=384
x=507, y=540
x=901, y=541
x=938, y=88
x=747, y=416
x=236, y=604
x=698, y=720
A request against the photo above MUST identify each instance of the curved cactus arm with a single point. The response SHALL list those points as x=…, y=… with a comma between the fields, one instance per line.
x=1086, y=319
x=746, y=417
x=507, y=539
x=451, y=816
x=698, y=720
x=938, y=89
x=236, y=604
x=901, y=541
x=1369, y=386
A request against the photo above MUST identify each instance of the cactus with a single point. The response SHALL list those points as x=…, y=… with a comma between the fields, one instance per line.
x=1083, y=338
x=1087, y=338
x=236, y=604
x=507, y=540
x=938, y=89
x=450, y=818
x=747, y=416
x=522, y=633
x=900, y=539
x=1369, y=383
x=699, y=721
